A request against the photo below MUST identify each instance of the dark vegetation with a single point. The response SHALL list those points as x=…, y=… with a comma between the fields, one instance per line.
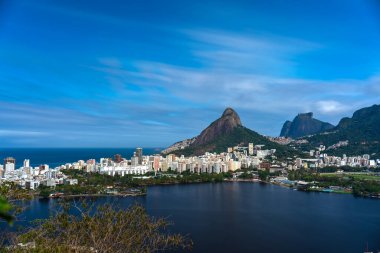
x=171, y=177
x=360, y=185
x=362, y=132
x=84, y=227
x=10, y=192
x=95, y=183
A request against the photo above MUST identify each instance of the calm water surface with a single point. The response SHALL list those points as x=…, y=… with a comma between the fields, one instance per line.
x=58, y=156
x=251, y=217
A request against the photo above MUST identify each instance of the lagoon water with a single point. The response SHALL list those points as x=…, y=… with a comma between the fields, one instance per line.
x=253, y=217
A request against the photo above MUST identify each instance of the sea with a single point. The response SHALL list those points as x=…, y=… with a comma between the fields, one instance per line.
x=57, y=156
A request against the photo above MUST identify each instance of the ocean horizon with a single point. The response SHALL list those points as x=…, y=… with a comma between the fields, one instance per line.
x=58, y=156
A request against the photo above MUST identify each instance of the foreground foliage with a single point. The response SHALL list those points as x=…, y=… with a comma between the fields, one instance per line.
x=80, y=228
x=11, y=192
x=5, y=208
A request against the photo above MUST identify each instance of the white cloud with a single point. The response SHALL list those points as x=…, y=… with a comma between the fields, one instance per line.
x=252, y=73
x=331, y=106
x=256, y=92
x=253, y=53
x=154, y=123
x=16, y=133
x=375, y=86
x=111, y=62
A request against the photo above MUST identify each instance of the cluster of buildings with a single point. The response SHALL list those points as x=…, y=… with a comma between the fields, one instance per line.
x=280, y=140
x=324, y=160
x=232, y=160
x=321, y=159
x=235, y=158
x=30, y=177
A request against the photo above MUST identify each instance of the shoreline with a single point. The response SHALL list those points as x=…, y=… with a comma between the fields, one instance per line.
x=100, y=195
x=198, y=182
x=82, y=195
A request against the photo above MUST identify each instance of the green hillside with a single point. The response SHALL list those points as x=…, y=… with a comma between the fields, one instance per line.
x=239, y=136
x=362, y=132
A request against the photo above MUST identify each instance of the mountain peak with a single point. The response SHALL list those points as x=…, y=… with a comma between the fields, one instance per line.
x=304, y=124
x=361, y=132
x=224, y=125
x=226, y=131
x=231, y=115
x=229, y=111
x=306, y=115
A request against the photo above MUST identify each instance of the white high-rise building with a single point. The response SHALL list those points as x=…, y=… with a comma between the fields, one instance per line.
x=134, y=160
x=250, y=148
x=26, y=163
x=9, y=167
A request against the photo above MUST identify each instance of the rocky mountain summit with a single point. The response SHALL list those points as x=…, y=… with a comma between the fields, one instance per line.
x=304, y=124
x=227, y=131
x=224, y=125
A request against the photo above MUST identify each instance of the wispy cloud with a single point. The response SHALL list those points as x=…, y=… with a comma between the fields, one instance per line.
x=252, y=73
x=258, y=92
x=250, y=52
x=16, y=133
x=154, y=123
x=128, y=74
x=331, y=106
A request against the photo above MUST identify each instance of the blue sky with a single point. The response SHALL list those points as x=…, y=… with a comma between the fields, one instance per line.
x=149, y=73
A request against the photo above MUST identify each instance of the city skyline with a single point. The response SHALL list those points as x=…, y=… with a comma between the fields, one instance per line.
x=120, y=73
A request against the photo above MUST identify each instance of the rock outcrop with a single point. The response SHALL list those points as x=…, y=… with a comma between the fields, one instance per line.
x=304, y=124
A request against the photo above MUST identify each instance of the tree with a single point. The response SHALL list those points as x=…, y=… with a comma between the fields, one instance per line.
x=10, y=191
x=5, y=208
x=263, y=175
x=100, y=229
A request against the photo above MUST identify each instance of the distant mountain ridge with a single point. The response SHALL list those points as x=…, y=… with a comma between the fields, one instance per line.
x=227, y=131
x=357, y=135
x=361, y=131
x=304, y=124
